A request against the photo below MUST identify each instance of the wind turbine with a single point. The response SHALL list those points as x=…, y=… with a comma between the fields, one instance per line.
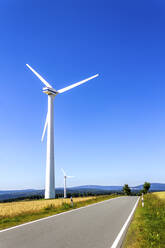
x=49, y=125
x=65, y=177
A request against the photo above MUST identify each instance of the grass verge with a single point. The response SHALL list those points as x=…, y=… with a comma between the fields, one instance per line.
x=48, y=210
x=148, y=225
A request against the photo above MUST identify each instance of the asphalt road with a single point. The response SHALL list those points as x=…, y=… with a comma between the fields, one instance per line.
x=95, y=226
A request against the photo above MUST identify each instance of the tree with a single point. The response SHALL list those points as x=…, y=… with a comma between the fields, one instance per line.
x=146, y=187
x=126, y=189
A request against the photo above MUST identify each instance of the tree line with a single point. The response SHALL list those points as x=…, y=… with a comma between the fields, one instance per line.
x=127, y=190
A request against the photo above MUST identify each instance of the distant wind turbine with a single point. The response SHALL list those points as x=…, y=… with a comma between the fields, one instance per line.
x=49, y=125
x=65, y=177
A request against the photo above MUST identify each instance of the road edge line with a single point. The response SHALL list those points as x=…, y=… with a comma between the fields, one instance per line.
x=118, y=238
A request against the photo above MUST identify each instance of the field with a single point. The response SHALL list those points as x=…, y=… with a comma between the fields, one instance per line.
x=12, y=209
x=161, y=195
x=15, y=213
x=148, y=225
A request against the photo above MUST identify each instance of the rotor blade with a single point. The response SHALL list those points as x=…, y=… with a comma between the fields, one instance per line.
x=76, y=84
x=41, y=78
x=70, y=176
x=46, y=123
x=63, y=171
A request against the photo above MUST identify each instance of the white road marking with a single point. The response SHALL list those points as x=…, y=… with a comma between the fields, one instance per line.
x=124, y=226
x=56, y=215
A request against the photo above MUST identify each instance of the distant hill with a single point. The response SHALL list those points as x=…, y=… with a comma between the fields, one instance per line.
x=97, y=187
x=16, y=191
x=154, y=187
x=12, y=194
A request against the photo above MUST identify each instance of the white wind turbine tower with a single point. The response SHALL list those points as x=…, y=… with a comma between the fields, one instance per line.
x=49, y=125
x=65, y=177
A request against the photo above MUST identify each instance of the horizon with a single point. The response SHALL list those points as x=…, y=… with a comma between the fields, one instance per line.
x=57, y=187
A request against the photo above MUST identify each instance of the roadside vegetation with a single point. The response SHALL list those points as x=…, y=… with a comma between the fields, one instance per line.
x=148, y=225
x=146, y=188
x=15, y=213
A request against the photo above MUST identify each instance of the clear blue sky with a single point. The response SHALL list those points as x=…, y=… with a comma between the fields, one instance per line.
x=109, y=131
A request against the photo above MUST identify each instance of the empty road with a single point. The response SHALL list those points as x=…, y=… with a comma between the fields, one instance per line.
x=95, y=226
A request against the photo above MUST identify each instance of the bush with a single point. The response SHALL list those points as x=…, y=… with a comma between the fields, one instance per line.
x=49, y=207
x=66, y=206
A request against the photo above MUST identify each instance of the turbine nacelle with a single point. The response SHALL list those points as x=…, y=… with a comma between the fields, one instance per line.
x=65, y=175
x=50, y=91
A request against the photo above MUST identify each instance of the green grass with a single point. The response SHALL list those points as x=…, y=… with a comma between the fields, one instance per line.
x=49, y=210
x=147, y=229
